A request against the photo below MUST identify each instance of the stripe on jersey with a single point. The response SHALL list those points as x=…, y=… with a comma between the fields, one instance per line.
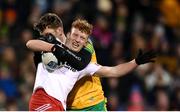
x=89, y=47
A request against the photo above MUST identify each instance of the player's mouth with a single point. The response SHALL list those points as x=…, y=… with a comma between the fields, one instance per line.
x=75, y=45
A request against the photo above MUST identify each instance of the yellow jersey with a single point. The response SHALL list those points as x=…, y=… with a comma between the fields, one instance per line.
x=87, y=91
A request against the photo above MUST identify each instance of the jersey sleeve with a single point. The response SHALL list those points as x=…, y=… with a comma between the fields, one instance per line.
x=76, y=60
x=49, y=38
x=90, y=70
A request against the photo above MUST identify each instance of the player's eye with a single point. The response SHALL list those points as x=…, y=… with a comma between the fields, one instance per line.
x=83, y=38
x=75, y=34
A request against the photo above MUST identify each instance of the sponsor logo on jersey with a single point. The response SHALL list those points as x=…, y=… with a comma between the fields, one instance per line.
x=66, y=65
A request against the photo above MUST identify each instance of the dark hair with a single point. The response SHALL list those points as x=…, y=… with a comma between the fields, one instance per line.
x=50, y=20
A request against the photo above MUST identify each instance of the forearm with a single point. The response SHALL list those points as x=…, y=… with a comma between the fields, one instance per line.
x=117, y=71
x=63, y=54
x=39, y=45
x=76, y=60
x=123, y=69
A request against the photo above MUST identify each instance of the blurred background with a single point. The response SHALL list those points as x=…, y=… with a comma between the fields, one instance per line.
x=121, y=27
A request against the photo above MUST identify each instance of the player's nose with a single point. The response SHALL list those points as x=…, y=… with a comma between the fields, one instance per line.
x=78, y=39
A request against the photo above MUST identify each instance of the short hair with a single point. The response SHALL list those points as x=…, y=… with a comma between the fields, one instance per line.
x=83, y=26
x=49, y=19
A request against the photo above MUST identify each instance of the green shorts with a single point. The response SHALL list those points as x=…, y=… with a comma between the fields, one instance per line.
x=98, y=107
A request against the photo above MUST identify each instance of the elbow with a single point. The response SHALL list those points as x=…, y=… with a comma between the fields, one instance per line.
x=28, y=44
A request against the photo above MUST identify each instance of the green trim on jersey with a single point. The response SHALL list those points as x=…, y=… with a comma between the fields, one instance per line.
x=89, y=47
x=98, y=107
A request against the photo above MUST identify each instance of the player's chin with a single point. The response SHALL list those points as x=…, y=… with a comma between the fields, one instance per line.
x=74, y=49
x=77, y=50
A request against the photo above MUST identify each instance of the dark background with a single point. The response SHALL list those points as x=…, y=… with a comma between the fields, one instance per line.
x=121, y=27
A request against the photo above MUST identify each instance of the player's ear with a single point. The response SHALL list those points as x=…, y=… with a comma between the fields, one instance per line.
x=68, y=35
x=60, y=29
x=86, y=43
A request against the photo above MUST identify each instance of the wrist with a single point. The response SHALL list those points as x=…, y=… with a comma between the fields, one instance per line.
x=135, y=62
x=53, y=47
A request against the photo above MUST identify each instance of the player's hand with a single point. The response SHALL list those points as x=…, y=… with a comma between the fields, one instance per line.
x=58, y=48
x=59, y=51
x=145, y=57
x=49, y=38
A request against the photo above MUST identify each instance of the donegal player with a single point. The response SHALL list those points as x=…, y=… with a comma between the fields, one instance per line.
x=87, y=94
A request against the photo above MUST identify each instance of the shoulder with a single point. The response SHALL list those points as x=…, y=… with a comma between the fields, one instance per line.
x=89, y=47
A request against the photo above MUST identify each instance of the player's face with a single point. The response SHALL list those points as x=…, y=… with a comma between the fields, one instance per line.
x=77, y=39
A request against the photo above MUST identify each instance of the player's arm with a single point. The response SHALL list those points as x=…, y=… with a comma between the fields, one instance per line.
x=116, y=71
x=42, y=43
x=76, y=60
x=122, y=69
x=39, y=45
x=83, y=57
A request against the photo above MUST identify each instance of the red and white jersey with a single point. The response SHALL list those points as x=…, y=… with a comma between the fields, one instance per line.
x=59, y=83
